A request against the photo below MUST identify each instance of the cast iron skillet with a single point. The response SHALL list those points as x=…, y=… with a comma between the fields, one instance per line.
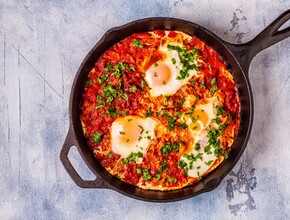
x=238, y=58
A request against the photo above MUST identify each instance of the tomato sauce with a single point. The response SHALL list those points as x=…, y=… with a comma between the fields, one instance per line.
x=108, y=95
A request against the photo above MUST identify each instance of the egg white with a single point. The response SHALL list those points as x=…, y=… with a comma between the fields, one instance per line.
x=201, y=165
x=140, y=132
x=171, y=86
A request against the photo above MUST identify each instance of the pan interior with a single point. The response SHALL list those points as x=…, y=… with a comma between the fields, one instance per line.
x=115, y=35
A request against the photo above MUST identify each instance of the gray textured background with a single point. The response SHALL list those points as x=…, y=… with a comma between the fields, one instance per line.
x=42, y=44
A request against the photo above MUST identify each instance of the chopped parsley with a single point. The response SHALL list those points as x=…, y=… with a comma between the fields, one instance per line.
x=202, y=86
x=148, y=137
x=143, y=84
x=171, y=122
x=124, y=95
x=108, y=67
x=137, y=44
x=225, y=153
x=148, y=113
x=213, y=134
x=214, y=89
x=230, y=116
x=208, y=163
x=119, y=68
x=99, y=98
x=121, y=112
x=191, y=158
x=168, y=147
x=110, y=154
x=112, y=111
x=213, y=81
x=163, y=113
x=158, y=176
x=193, y=119
x=124, y=161
x=110, y=92
x=99, y=106
x=164, y=165
x=193, y=82
x=222, y=127
x=183, y=126
x=173, y=60
x=207, y=148
x=103, y=78
x=172, y=179
x=216, y=120
x=179, y=114
x=175, y=146
x=219, y=110
x=197, y=146
x=132, y=68
x=132, y=89
x=213, y=143
x=97, y=137
x=142, y=129
x=133, y=156
x=146, y=174
x=90, y=82
x=187, y=59
x=182, y=164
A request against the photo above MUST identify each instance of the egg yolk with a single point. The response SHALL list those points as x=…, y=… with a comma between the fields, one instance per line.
x=201, y=115
x=130, y=131
x=160, y=74
x=195, y=126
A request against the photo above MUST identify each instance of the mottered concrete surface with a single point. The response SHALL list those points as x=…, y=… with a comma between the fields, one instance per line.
x=42, y=44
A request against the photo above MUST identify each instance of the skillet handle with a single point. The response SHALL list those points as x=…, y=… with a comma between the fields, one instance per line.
x=69, y=142
x=269, y=36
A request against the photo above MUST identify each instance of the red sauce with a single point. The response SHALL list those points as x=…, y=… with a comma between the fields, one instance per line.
x=137, y=53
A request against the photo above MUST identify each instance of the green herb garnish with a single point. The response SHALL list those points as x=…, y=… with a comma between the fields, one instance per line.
x=213, y=81
x=183, y=126
x=108, y=67
x=166, y=149
x=137, y=44
x=171, y=122
x=219, y=110
x=132, y=89
x=103, y=78
x=97, y=137
x=214, y=89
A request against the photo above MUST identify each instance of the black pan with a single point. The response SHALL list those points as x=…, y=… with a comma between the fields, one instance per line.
x=238, y=58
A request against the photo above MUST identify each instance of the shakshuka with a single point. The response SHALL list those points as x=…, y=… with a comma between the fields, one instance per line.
x=160, y=110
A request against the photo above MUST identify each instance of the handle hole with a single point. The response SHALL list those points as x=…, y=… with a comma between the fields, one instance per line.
x=284, y=26
x=79, y=164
